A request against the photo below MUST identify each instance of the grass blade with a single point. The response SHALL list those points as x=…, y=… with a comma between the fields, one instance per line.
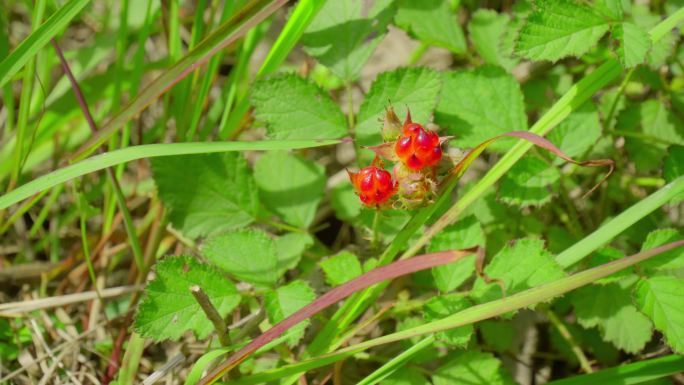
x=38, y=39
x=635, y=373
x=128, y=154
x=573, y=98
x=253, y=13
x=471, y=315
x=335, y=295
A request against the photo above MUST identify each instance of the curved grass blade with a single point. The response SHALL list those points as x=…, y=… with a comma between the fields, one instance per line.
x=38, y=39
x=630, y=374
x=128, y=154
x=471, y=315
x=335, y=295
x=252, y=14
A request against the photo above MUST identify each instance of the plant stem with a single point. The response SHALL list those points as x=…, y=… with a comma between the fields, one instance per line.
x=211, y=313
x=565, y=333
x=375, y=237
x=621, y=89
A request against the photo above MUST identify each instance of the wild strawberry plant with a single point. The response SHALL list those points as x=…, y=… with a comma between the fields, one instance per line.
x=399, y=192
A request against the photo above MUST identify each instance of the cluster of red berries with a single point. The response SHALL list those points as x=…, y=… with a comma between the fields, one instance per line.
x=417, y=152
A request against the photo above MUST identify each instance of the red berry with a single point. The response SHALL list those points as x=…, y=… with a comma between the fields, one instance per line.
x=373, y=185
x=418, y=148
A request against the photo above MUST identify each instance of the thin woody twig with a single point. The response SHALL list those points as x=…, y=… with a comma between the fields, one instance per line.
x=211, y=312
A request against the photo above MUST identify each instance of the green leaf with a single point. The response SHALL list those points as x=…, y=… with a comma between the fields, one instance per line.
x=341, y=268
x=610, y=308
x=560, y=28
x=530, y=182
x=497, y=334
x=446, y=305
x=634, y=44
x=285, y=301
x=405, y=376
x=431, y=21
x=520, y=266
x=414, y=87
x=291, y=186
x=610, y=8
x=655, y=126
x=248, y=254
x=472, y=368
x=296, y=108
x=289, y=249
x=669, y=260
x=674, y=163
x=463, y=234
x=168, y=309
x=479, y=104
x=206, y=194
x=489, y=33
x=344, y=34
x=344, y=201
x=578, y=133
x=660, y=298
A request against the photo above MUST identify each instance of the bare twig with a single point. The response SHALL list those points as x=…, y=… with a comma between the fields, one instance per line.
x=211, y=312
x=14, y=309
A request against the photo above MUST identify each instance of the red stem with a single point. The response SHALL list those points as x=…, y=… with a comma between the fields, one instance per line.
x=391, y=271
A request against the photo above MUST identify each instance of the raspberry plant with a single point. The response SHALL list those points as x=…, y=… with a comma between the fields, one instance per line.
x=396, y=192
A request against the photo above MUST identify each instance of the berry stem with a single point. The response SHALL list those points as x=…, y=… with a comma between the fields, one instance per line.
x=376, y=231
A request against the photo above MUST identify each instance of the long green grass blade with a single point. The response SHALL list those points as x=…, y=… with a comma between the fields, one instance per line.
x=635, y=373
x=575, y=97
x=471, y=315
x=621, y=222
x=128, y=154
x=37, y=40
x=253, y=13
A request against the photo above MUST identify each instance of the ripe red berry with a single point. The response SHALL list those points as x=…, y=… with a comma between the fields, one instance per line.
x=417, y=147
x=373, y=185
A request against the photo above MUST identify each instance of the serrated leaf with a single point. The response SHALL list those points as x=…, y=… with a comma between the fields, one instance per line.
x=472, y=368
x=431, y=21
x=634, y=44
x=489, y=33
x=290, y=185
x=168, y=309
x=479, y=104
x=463, y=234
x=248, y=254
x=659, y=127
x=341, y=268
x=520, y=266
x=295, y=108
x=289, y=249
x=577, y=133
x=416, y=88
x=497, y=334
x=344, y=34
x=206, y=194
x=443, y=306
x=669, y=260
x=674, y=163
x=405, y=376
x=286, y=300
x=611, y=9
x=560, y=28
x=660, y=298
x=344, y=201
x=530, y=182
x=610, y=308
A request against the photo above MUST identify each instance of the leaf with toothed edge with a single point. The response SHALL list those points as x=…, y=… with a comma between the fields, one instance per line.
x=168, y=309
